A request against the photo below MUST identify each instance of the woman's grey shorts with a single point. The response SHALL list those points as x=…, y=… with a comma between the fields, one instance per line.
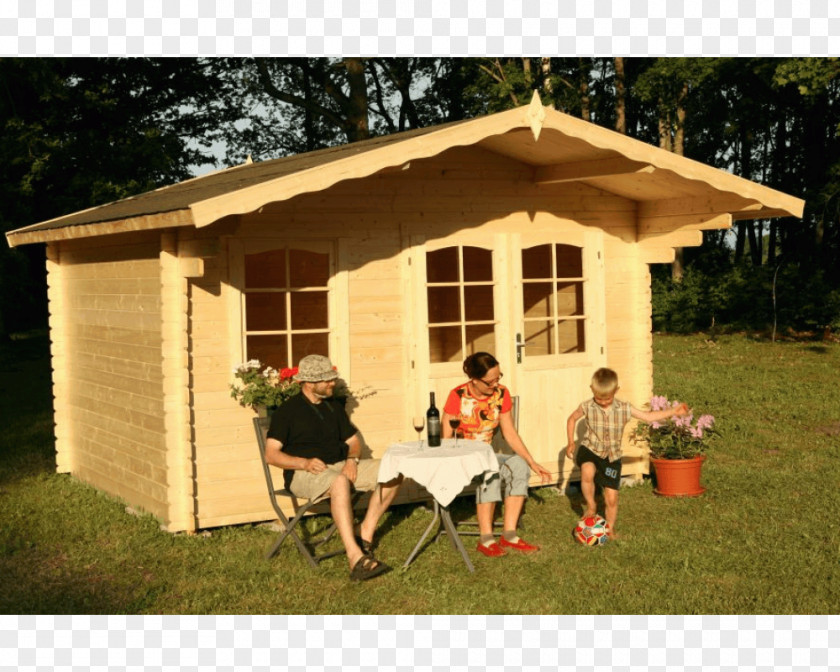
x=514, y=474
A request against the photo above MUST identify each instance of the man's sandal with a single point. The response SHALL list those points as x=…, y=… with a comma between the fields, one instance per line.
x=367, y=567
x=364, y=544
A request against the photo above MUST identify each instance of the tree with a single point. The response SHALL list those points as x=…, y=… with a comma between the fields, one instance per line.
x=79, y=132
x=292, y=105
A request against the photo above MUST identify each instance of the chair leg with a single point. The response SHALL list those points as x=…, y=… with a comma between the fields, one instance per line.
x=290, y=525
x=290, y=531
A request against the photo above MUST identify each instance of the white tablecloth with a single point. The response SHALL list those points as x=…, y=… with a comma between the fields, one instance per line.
x=445, y=470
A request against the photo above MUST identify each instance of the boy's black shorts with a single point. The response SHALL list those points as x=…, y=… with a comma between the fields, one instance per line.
x=607, y=474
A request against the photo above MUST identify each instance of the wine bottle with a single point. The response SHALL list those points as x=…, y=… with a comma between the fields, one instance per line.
x=433, y=422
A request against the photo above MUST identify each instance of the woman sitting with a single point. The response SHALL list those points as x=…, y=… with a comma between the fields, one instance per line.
x=482, y=405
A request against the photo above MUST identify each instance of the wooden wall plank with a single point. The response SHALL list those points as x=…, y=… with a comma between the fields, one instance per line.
x=379, y=213
x=111, y=384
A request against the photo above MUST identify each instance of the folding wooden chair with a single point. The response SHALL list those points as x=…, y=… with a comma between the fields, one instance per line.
x=300, y=506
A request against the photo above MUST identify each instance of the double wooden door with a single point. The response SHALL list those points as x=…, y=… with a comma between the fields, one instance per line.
x=534, y=300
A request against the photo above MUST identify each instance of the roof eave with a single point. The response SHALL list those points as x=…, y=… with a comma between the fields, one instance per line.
x=373, y=161
x=770, y=199
x=164, y=220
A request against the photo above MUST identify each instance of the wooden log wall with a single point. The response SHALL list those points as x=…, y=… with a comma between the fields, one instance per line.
x=371, y=223
x=105, y=305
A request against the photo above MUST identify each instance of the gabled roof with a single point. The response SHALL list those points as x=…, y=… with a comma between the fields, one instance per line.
x=671, y=190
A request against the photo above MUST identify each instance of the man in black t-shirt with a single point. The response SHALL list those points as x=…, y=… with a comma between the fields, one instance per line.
x=313, y=441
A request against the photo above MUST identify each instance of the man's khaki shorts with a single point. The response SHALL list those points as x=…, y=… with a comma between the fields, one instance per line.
x=312, y=486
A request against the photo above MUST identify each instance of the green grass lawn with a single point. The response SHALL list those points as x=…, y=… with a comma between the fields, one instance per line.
x=761, y=540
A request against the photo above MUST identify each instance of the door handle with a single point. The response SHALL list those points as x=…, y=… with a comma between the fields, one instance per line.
x=519, y=345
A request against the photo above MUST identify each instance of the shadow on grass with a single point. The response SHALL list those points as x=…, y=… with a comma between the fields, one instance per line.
x=27, y=443
x=39, y=583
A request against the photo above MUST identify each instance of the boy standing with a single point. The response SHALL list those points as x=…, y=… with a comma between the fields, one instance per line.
x=599, y=455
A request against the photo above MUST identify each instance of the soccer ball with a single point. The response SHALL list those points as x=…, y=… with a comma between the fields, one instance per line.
x=591, y=531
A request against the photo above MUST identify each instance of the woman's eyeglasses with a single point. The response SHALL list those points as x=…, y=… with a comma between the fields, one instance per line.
x=492, y=383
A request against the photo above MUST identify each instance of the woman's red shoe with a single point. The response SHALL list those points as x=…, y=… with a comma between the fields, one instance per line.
x=491, y=551
x=520, y=545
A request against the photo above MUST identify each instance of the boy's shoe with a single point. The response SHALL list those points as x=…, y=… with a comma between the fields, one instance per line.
x=520, y=545
x=491, y=551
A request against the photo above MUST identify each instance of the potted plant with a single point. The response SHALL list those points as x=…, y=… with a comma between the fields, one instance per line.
x=677, y=449
x=262, y=387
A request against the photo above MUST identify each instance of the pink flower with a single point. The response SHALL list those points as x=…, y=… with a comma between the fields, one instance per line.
x=682, y=421
x=658, y=403
x=706, y=421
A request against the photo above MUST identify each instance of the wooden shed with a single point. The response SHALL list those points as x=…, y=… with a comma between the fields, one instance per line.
x=527, y=233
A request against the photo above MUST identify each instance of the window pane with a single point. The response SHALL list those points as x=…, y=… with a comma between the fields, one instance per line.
x=309, y=310
x=269, y=350
x=308, y=269
x=478, y=303
x=480, y=338
x=569, y=262
x=445, y=344
x=569, y=298
x=478, y=265
x=442, y=265
x=309, y=344
x=571, y=335
x=444, y=304
x=540, y=338
x=265, y=311
x=266, y=269
x=536, y=299
x=536, y=262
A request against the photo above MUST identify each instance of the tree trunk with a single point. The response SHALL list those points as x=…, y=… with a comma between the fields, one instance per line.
x=771, y=244
x=357, y=108
x=755, y=253
x=583, y=89
x=678, y=147
x=664, y=129
x=308, y=116
x=679, y=130
x=545, y=71
x=677, y=266
x=620, y=96
x=740, y=240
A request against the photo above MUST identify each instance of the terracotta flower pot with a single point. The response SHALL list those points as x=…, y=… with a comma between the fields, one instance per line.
x=678, y=478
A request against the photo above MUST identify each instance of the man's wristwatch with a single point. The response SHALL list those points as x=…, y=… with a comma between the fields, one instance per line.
x=355, y=459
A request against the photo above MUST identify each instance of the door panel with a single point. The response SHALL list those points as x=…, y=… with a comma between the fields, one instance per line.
x=544, y=289
x=559, y=312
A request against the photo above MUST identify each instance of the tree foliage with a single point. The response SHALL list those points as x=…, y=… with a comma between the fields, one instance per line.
x=79, y=132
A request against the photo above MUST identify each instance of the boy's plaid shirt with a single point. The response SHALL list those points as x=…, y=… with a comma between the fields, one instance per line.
x=605, y=427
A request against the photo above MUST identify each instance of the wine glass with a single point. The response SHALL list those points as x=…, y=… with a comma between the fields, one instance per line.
x=419, y=422
x=454, y=421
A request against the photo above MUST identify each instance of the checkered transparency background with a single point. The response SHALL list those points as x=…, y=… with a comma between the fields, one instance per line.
x=386, y=643
x=419, y=27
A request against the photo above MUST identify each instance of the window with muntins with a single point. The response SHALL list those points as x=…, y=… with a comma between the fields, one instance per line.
x=459, y=290
x=552, y=299
x=286, y=305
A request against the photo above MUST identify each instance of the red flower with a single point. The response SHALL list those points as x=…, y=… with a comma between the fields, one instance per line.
x=285, y=374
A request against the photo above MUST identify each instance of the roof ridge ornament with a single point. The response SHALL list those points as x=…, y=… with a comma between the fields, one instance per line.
x=535, y=115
